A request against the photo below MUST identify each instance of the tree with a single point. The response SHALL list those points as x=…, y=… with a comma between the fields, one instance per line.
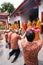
x=7, y=7
x=0, y=9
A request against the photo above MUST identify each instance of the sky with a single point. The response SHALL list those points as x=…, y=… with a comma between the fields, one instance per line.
x=16, y=3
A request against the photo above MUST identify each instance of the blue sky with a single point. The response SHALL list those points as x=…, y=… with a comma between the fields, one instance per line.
x=16, y=3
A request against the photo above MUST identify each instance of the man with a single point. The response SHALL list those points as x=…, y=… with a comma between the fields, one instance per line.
x=6, y=36
x=14, y=45
x=31, y=48
x=9, y=38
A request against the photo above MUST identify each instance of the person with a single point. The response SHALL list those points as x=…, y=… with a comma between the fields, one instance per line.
x=37, y=30
x=1, y=37
x=29, y=24
x=9, y=38
x=33, y=24
x=24, y=26
x=38, y=24
x=6, y=36
x=31, y=48
x=14, y=45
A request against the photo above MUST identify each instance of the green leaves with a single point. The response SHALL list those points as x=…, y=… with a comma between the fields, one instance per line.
x=1, y=27
x=7, y=7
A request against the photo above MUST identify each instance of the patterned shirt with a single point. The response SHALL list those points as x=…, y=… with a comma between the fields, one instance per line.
x=30, y=51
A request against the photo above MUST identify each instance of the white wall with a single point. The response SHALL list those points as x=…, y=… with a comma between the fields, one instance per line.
x=22, y=18
x=40, y=9
x=13, y=19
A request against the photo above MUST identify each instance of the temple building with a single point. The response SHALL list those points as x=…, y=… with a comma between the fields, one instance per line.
x=28, y=9
x=3, y=19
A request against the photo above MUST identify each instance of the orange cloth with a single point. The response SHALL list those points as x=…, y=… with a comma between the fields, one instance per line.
x=29, y=24
x=36, y=36
x=16, y=26
x=24, y=26
x=38, y=25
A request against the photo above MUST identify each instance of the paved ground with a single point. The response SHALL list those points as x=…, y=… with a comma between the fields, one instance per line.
x=20, y=61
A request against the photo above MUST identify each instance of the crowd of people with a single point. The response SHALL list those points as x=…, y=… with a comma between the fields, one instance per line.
x=31, y=43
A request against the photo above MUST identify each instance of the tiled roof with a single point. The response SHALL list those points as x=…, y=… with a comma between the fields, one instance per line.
x=3, y=14
x=25, y=6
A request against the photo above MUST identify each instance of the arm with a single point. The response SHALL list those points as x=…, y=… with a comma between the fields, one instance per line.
x=24, y=35
x=39, y=43
x=40, y=37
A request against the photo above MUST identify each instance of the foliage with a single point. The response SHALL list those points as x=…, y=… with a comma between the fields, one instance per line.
x=1, y=27
x=7, y=7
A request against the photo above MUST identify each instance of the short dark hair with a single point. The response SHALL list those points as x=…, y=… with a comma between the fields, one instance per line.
x=30, y=35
